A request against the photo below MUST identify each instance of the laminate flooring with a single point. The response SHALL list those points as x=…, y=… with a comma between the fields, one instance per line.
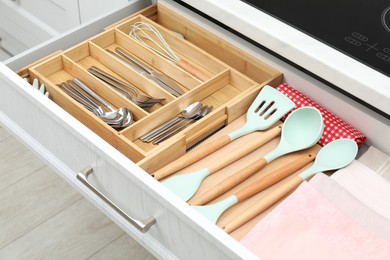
x=42, y=217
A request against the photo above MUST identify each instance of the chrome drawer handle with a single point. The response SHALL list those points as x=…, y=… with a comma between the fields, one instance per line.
x=141, y=225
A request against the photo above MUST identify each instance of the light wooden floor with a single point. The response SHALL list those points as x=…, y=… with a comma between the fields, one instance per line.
x=42, y=217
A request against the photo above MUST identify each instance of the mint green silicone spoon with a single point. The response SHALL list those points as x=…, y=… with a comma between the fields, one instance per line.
x=302, y=129
x=332, y=156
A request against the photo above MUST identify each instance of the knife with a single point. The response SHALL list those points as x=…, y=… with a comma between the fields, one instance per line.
x=161, y=79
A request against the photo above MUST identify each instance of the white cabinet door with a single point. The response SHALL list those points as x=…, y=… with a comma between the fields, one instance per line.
x=59, y=14
x=19, y=29
x=92, y=8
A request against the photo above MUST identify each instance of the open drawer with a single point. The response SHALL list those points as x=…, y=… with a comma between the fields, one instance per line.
x=73, y=140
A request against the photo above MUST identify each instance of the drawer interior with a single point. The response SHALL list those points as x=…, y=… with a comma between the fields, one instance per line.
x=233, y=80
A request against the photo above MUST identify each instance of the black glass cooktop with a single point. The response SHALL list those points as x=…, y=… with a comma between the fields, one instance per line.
x=358, y=28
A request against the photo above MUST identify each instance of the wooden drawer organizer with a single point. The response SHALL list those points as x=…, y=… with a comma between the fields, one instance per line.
x=235, y=78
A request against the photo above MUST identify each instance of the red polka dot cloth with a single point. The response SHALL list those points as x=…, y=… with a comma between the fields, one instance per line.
x=334, y=127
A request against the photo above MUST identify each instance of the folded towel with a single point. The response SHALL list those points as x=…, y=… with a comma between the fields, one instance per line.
x=366, y=185
x=334, y=127
x=377, y=161
x=351, y=206
x=307, y=226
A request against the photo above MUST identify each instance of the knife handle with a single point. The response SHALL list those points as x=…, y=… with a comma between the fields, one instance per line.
x=130, y=58
x=263, y=204
x=192, y=70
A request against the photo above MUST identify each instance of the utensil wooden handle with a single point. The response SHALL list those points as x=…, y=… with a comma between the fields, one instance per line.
x=245, y=149
x=191, y=157
x=273, y=177
x=263, y=204
x=210, y=147
x=230, y=182
x=192, y=70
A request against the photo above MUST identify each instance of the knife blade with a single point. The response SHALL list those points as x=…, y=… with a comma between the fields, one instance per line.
x=161, y=79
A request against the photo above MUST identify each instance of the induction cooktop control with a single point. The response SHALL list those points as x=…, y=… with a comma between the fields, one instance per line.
x=358, y=28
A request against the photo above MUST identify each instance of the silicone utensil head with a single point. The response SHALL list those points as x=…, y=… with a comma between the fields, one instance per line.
x=268, y=107
x=335, y=155
x=185, y=185
x=212, y=212
x=302, y=129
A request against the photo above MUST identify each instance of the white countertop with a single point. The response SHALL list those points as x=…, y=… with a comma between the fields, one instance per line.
x=335, y=67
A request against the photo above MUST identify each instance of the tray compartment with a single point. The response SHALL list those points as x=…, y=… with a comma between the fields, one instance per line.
x=115, y=38
x=186, y=51
x=59, y=69
x=217, y=92
x=226, y=52
x=88, y=54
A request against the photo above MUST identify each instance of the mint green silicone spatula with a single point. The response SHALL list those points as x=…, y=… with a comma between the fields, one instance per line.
x=335, y=155
x=302, y=129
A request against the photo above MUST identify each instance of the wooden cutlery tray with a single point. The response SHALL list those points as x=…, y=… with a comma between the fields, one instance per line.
x=234, y=79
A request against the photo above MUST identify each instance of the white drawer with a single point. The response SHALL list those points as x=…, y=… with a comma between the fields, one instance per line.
x=70, y=147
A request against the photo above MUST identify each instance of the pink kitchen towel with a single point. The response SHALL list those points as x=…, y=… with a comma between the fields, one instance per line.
x=351, y=206
x=334, y=127
x=307, y=226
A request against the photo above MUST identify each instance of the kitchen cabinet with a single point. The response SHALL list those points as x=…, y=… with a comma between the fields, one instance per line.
x=90, y=9
x=116, y=182
x=20, y=29
x=60, y=15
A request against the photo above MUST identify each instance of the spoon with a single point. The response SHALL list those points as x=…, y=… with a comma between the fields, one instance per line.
x=187, y=112
x=112, y=114
x=335, y=155
x=302, y=129
x=161, y=135
x=123, y=116
x=202, y=113
x=138, y=98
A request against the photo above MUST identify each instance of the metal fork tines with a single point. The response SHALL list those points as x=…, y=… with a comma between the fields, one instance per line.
x=125, y=89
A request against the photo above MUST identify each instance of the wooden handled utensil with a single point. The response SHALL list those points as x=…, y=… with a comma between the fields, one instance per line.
x=214, y=211
x=268, y=107
x=335, y=155
x=302, y=129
